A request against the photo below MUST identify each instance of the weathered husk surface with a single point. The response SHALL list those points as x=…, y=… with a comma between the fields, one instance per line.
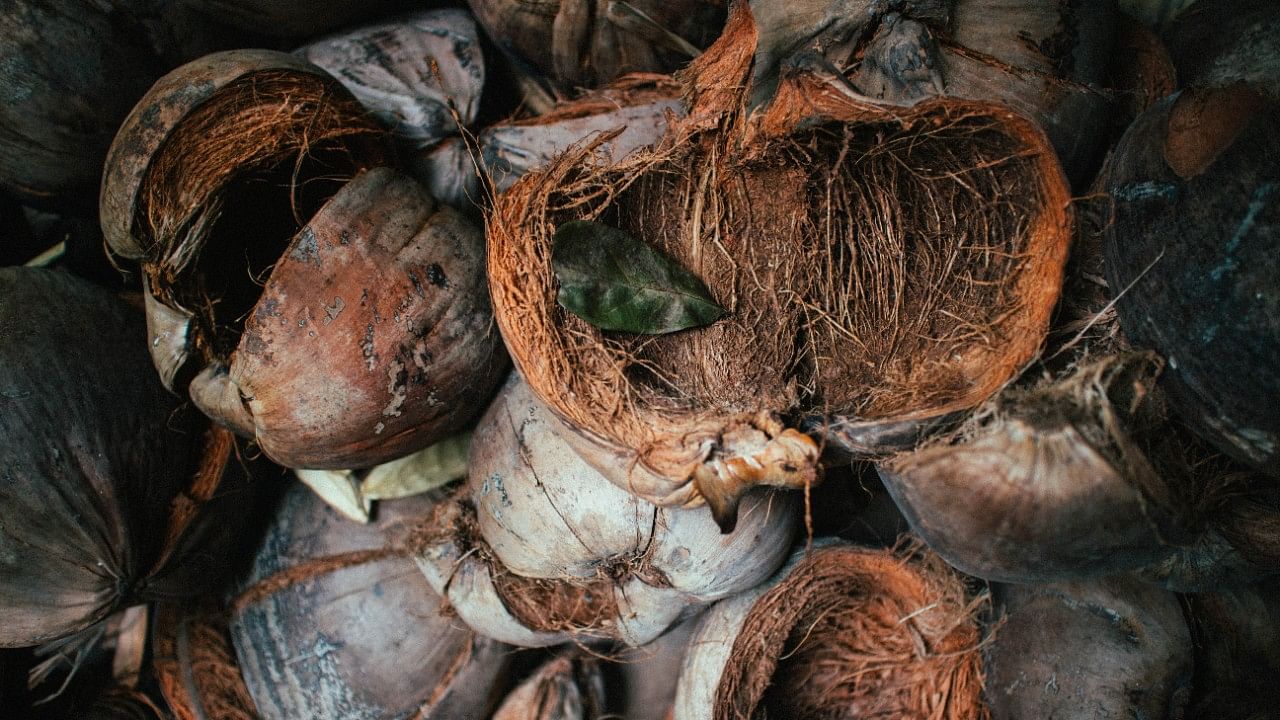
x=831, y=319
x=573, y=44
x=840, y=632
x=190, y=173
x=372, y=337
x=1045, y=60
x=413, y=72
x=1198, y=167
x=1112, y=647
x=1237, y=652
x=539, y=549
x=195, y=664
x=104, y=480
x=567, y=687
x=335, y=622
x=634, y=110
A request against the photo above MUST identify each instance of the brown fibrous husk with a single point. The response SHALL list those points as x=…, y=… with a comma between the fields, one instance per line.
x=876, y=263
x=196, y=666
x=259, y=157
x=582, y=608
x=855, y=633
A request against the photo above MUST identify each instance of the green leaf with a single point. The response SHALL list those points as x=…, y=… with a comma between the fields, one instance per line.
x=616, y=281
x=425, y=470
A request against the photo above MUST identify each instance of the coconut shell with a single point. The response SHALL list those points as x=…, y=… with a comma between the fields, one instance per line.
x=1045, y=60
x=840, y=632
x=272, y=131
x=535, y=521
x=372, y=337
x=334, y=622
x=572, y=44
x=703, y=414
x=1113, y=647
x=412, y=73
x=1197, y=167
x=107, y=486
x=634, y=110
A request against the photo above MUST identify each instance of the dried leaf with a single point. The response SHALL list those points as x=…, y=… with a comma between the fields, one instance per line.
x=428, y=469
x=616, y=281
x=340, y=490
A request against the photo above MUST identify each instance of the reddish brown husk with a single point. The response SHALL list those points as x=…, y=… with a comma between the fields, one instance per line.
x=334, y=615
x=575, y=44
x=839, y=308
x=852, y=633
x=1198, y=167
x=112, y=494
x=196, y=666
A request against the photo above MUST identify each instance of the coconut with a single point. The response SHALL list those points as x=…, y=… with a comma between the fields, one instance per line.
x=1197, y=167
x=563, y=688
x=539, y=549
x=840, y=632
x=648, y=675
x=1238, y=654
x=111, y=495
x=196, y=666
x=1217, y=42
x=289, y=18
x=862, y=318
x=335, y=361
x=587, y=43
x=1113, y=647
x=335, y=622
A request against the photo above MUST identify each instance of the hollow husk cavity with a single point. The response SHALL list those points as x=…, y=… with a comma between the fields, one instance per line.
x=880, y=268
x=841, y=632
x=196, y=666
x=213, y=172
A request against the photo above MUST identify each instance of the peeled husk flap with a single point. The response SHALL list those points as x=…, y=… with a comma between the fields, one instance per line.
x=112, y=495
x=841, y=313
x=196, y=665
x=840, y=632
x=245, y=142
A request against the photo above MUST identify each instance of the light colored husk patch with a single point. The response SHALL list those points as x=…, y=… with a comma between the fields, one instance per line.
x=855, y=633
x=876, y=263
x=196, y=667
x=582, y=608
x=271, y=121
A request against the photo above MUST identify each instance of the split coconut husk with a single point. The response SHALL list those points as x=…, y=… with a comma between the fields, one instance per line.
x=567, y=687
x=1112, y=647
x=865, y=319
x=363, y=338
x=420, y=74
x=335, y=622
x=195, y=664
x=571, y=44
x=1199, y=167
x=112, y=495
x=840, y=632
x=539, y=549
x=1238, y=653
x=1046, y=60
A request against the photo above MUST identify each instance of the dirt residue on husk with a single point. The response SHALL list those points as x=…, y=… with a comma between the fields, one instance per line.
x=854, y=633
x=196, y=667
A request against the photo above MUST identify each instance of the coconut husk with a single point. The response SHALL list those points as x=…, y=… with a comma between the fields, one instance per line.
x=1237, y=653
x=633, y=111
x=114, y=496
x=571, y=44
x=1192, y=167
x=563, y=688
x=334, y=615
x=648, y=675
x=840, y=632
x=837, y=314
x=196, y=665
x=568, y=555
x=291, y=18
x=1112, y=647
x=1215, y=43
x=247, y=142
